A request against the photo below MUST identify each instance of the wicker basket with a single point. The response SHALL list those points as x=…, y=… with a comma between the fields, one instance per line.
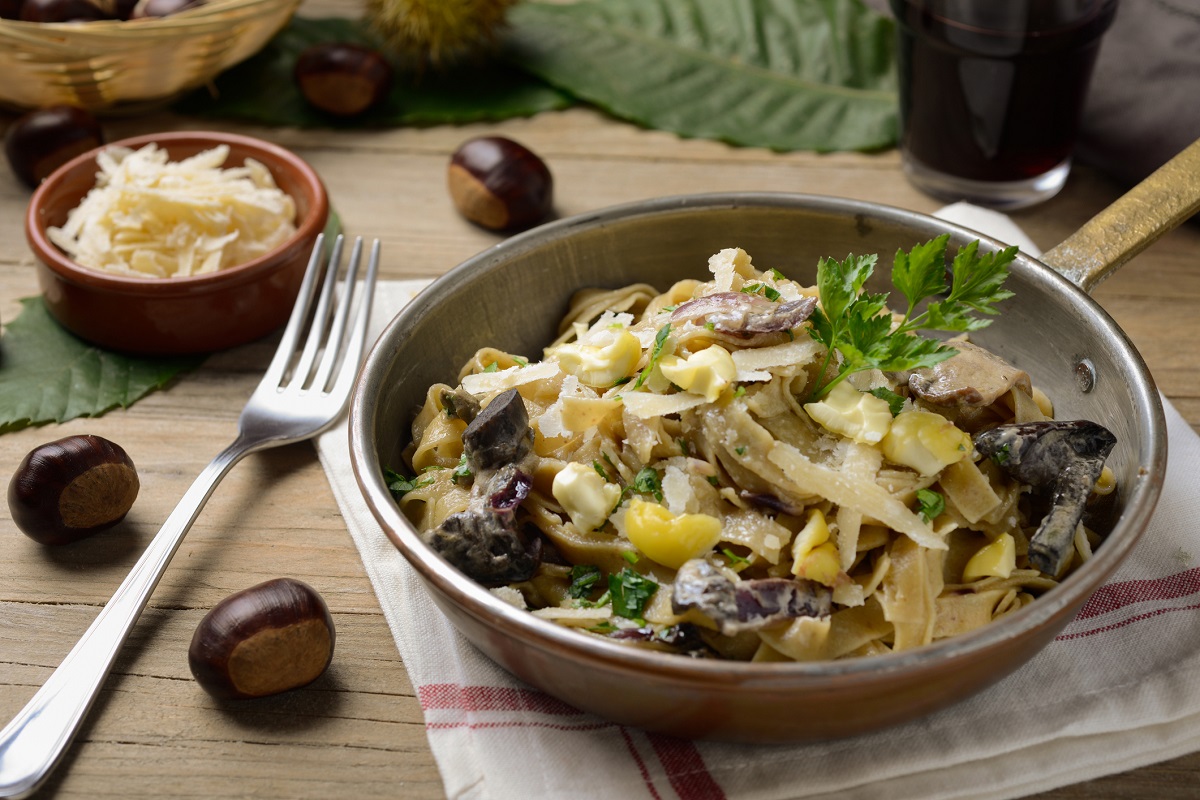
x=109, y=65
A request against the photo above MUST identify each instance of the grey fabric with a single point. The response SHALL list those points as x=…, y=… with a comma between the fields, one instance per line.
x=1144, y=104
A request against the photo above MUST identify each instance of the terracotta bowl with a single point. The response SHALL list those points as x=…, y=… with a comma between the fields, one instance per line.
x=513, y=296
x=198, y=314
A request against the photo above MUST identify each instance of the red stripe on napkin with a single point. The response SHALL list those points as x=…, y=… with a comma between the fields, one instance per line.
x=641, y=765
x=1138, y=618
x=456, y=697
x=1112, y=596
x=685, y=768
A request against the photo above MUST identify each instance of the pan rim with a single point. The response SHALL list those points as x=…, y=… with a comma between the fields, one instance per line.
x=534, y=632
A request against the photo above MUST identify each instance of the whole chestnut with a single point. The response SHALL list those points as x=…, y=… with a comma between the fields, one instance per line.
x=62, y=11
x=500, y=184
x=71, y=488
x=42, y=141
x=341, y=78
x=267, y=639
x=144, y=9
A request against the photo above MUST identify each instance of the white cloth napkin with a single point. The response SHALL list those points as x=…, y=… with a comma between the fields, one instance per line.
x=1120, y=688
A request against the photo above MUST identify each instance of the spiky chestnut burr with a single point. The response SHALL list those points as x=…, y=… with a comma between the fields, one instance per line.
x=437, y=33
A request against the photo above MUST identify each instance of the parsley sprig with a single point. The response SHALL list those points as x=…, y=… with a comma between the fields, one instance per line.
x=858, y=326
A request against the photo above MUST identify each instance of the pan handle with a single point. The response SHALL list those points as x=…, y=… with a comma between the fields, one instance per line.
x=1158, y=204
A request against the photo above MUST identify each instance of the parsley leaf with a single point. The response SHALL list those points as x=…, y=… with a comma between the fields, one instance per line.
x=895, y=402
x=660, y=341
x=583, y=578
x=463, y=471
x=630, y=591
x=399, y=485
x=492, y=367
x=932, y=504
x=864, y=333
x=648, y=482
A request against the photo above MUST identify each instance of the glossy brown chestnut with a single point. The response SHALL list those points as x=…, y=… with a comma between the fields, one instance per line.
x=62, y=11
x=342, y=78
x=41, y=141
x=70, y=488
x=500, y=184
x=267, y=639
x=162, y=8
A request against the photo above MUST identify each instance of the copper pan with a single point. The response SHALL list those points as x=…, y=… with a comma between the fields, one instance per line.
x=513, y=295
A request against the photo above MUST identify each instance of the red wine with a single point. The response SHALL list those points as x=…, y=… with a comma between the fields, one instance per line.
x=993, y=90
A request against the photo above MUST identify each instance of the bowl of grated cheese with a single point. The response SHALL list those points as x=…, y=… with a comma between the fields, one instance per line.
x=182, y=242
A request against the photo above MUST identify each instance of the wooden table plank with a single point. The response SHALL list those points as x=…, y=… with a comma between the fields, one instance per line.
x=357, y=731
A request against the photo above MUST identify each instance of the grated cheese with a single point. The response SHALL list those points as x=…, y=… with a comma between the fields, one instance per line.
x=154, y=218
x=645, y=405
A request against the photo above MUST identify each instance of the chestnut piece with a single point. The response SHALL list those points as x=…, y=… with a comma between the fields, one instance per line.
x=342, y=78
x=70, y=488
x=62, y=11
x=162, y=8
x=43, y=140
x=500, y=184
x=267, y=639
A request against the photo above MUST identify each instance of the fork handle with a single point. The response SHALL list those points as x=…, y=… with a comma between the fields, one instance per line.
x=34, y=741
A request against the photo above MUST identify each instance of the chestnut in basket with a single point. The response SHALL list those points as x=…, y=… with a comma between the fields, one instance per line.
x=267, y=639
x=62, y=11
x=500, y=184
x=43, y=140
x=162, y=8
x=70, y=488
x=342, y=78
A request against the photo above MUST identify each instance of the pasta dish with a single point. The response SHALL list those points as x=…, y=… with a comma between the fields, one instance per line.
x=750, y=468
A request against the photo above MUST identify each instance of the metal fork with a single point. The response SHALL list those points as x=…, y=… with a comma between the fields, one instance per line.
x=303, y=392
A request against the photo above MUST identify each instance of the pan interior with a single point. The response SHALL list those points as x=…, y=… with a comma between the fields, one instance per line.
x=513, y=296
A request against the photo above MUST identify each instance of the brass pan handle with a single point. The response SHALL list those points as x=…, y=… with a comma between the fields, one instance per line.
x=1158, y=204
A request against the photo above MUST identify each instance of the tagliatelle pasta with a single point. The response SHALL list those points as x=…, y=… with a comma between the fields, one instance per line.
x=679, y=472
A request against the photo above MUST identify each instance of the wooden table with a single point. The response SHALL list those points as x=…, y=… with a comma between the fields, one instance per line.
x=358, y=732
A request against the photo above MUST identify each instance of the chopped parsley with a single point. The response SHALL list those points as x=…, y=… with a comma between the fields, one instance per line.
x=859, y=327
x=1002, y=454
x=522, y=363
x=733, y=557
x=583, y=578
x=596, y=465
x=895, y=402
x=766, y=291
x=739, y=391
x=777, y=275
x=712, y=326
x=463, y=471
x=630, y=591
x=648, y=482
x=684, y=447
x=399, y=485
x=630, y=556
x=492, y=367
x=740, y=450
x=931, y=503
x=714, y=480
x=660, y=342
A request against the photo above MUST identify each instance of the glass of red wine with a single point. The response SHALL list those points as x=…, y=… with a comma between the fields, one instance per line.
x=991, y=94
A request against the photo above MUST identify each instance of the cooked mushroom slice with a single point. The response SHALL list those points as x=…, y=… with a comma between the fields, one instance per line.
x=507, y=488
x=683, y=638
x=771, y=502
x=745, y=605
x=973, y=377
x=484, y=544
x=1063, y=458
x=500, y=434
x=460, y=403
x=746, y=315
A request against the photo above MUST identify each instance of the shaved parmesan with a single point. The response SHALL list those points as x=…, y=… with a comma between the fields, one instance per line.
x=153, y=218
x=752, y=359
x=645, y=405
x=727, y=263
x=488, y=382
